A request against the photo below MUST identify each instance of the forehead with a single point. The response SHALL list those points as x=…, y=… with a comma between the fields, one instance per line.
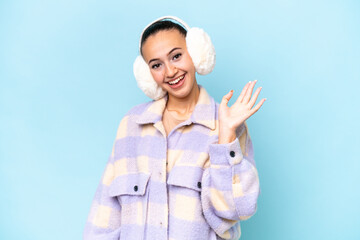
x=160, y=44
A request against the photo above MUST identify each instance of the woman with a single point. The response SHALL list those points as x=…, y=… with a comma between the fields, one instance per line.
x=182, y=166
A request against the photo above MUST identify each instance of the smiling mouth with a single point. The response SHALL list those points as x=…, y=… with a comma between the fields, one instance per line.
x=176, y=80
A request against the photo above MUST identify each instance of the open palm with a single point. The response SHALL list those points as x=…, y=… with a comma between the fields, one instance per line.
x=230, y=118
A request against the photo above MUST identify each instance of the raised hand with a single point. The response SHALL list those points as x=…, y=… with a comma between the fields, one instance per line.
x=230, y=118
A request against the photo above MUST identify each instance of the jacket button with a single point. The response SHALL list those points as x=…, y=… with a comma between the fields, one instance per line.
x=199, y=185
x=135, y=188
x=232, y=153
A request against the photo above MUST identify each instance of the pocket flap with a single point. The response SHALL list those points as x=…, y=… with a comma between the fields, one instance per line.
x=129, y=184
x=186, y=176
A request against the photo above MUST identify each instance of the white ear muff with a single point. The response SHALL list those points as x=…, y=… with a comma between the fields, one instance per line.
x=201, y=51
x=145, y=80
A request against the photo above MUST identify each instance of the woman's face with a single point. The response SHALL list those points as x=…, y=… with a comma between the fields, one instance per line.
x=170, y=63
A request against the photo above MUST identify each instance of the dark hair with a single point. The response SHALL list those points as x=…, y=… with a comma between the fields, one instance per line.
x=159, y=26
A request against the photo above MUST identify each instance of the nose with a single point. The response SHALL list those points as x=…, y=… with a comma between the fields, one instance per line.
x=171, y=70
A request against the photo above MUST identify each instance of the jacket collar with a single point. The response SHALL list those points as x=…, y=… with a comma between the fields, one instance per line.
x=204, y=112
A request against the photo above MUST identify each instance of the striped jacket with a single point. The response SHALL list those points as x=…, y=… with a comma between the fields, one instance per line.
x=184, y=186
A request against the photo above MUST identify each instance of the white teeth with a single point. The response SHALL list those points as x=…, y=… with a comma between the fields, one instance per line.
x=176, y=80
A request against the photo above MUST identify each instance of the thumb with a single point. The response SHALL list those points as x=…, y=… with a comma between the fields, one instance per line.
x=227, y=98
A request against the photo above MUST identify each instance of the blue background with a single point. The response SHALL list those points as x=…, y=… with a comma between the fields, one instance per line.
x=66, y=81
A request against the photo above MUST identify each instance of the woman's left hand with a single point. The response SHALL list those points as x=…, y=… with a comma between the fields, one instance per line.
x=230, y=118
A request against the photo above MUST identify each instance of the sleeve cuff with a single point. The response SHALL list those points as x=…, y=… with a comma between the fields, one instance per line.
x=225, y=154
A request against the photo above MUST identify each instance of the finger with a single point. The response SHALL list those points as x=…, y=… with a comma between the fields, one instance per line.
x=227, y=98
x=242, y=94
x=249, y=92
x=254, y=97
x=257, y=107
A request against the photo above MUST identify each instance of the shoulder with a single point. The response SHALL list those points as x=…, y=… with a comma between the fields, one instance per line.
x=138, y=109
x=130, y=117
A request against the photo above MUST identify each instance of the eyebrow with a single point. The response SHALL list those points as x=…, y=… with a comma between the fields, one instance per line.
x=154, y=59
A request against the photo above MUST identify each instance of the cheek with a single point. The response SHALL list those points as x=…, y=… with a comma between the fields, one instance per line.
x=189, y=64
x=185, y=64
x=158, y=76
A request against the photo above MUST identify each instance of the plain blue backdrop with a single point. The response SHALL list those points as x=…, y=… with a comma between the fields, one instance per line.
x=66, y=81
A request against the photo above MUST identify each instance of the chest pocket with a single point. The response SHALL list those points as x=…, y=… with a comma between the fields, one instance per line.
x=188, y=177
x=184, y=184
x=131, y=184
x=132, y=192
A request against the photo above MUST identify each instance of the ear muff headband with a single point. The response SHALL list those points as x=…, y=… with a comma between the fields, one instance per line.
x=201, y=51
x=160, y=19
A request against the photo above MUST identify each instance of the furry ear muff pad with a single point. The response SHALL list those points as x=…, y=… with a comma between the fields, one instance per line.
x=201, y=51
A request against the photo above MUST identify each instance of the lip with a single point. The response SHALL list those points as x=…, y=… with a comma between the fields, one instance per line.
x=175, y=78
x=180, y=83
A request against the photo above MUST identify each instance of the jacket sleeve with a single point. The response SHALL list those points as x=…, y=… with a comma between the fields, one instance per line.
x=230, y=186
x=103, y=222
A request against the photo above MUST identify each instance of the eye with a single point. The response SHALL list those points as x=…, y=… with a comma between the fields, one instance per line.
x=177, y=56
x=155, y=66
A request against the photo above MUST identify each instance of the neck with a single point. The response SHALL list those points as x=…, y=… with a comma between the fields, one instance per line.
x=184, y=106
